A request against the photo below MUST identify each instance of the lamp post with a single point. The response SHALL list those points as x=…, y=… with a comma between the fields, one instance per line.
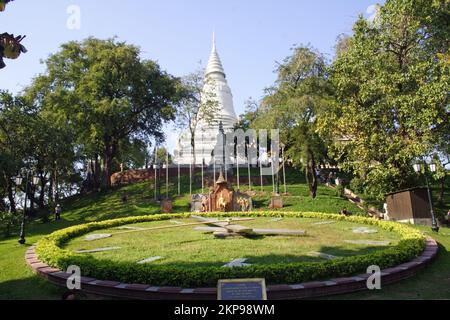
x=222, y=134
x=203, y=160
x=248, y=168
x=22, y=226
x=418, y=169
x=179, y=160
x=236, y=158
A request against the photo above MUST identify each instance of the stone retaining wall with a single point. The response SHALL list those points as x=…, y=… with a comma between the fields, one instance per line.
x=115, y=289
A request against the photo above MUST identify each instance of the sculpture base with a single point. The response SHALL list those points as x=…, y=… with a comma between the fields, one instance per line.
x=276, y=202
x=166, y=206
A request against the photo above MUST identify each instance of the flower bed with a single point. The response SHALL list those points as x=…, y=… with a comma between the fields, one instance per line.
x=49, y=250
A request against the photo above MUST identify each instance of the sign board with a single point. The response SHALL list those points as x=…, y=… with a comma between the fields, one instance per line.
x=242, y=289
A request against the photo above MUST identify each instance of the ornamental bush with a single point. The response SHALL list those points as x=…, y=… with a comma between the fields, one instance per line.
x=48, y=249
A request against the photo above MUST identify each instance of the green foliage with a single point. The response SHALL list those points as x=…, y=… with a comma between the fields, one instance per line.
x=8, y=221
x=29, y=139
x=300, y=94
x=49, y=250
x=108, y=96
x=392, y=85
x=357, y=185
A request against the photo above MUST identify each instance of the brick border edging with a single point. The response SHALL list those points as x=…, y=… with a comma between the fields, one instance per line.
x=313, y=289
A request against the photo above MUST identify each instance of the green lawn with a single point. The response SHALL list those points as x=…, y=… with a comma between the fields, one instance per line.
x=184, y=246
x=18, y=282
x=431, y=283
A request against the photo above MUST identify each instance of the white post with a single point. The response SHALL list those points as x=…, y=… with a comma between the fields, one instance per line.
x=203, y=162
x=203, y=183
x=260, y=173
x=179, y=160
x=167, y=173
x=154, y=167
x=179, y=184
x=284, y=170
x=272, y=164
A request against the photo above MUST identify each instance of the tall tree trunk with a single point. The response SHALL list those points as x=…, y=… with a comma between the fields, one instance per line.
x=311, y=177
x=96, y=172
x=2, y=203
x=11, y=199
x=56, y=185
x=50, y=190
x=41, y=203
x=109, y=154
x=193, y=150
x=107, y=163
x=442, y=191
x=31, y=198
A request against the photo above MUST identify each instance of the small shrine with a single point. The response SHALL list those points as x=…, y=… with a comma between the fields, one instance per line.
x=222, y=198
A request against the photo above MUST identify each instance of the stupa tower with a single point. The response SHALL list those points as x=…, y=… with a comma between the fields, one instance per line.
x=206, y=133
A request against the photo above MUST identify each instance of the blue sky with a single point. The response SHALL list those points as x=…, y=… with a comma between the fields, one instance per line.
x=251, y=34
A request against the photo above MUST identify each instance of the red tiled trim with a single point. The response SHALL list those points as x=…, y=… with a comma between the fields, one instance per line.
x=312, y=289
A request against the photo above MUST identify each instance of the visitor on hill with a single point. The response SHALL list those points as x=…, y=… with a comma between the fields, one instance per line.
x=330, y=178
x=58, y=211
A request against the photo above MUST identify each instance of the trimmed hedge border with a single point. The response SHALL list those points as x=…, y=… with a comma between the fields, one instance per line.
x=49, y=250
x=116, y=289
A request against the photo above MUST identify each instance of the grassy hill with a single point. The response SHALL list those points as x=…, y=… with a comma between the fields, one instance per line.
x=18, y=282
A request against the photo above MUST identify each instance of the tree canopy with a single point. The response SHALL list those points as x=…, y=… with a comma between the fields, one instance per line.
x=107, y=95
x=293, y=104
x=391, y=86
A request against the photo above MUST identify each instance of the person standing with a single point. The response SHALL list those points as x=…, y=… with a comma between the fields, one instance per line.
x=58, y=212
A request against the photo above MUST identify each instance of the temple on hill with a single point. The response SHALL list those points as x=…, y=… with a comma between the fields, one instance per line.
x=206, y=134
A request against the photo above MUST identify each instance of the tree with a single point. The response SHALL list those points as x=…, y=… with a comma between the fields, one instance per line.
x=134, y=154
x=108, y=95
x=14, y=132
x=197, y=105
x=392, y=89
x=161, y=156
x=30, y=141
x=293, y=105
x=442, y=158
x=249, y=116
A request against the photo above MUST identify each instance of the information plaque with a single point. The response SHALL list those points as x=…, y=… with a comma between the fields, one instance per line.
x=242, y=289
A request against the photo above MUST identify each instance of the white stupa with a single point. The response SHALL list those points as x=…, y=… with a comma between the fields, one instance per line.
x=206, y=133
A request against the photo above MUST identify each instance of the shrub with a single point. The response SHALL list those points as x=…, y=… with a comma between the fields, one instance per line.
x=8, y=220
x=49, y=250
x=340, y=191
